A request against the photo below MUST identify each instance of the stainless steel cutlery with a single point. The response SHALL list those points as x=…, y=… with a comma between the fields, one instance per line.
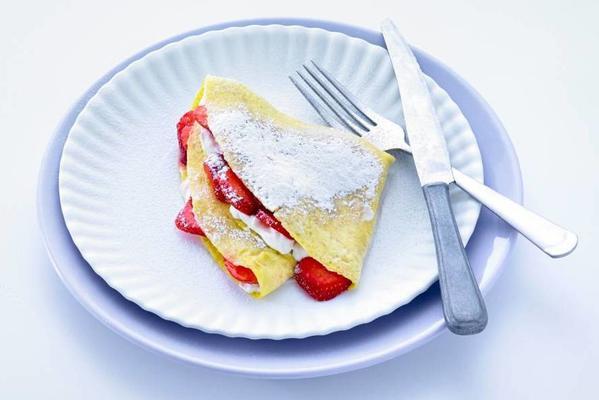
x=463, y=305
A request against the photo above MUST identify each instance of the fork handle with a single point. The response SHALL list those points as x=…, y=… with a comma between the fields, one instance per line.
x=547, y=236
x=463, y=305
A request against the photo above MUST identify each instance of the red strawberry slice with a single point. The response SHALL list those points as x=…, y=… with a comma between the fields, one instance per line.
x=227, y=186
x=237, y=194
x=268, y=219
x=319, y=282
x=183, y=135
x=214, y=167
x=187, y=222
x=184, y=129
x=242, y=274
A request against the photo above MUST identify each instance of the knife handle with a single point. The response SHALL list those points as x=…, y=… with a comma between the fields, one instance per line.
x=547, y=236
x=463, y=305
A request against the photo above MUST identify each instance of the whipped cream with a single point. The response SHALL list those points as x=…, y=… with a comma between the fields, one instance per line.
x=298, y=252
x=273, y=238
x=208, y=142
x=249, y=287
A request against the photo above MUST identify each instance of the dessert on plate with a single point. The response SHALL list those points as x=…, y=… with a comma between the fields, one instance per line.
x=272, y=197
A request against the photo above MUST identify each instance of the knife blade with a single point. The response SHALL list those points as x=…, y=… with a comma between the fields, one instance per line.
x=424, y=130
x=463, y=306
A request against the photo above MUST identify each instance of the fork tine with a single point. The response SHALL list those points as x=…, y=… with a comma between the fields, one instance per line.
x=320, y=107
x=353, y=102
x=334, y=107
x=338, y=98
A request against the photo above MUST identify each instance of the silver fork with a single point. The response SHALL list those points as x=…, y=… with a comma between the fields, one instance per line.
x=341, y=109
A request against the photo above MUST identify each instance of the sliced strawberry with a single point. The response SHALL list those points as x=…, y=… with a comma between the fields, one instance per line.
x=184, y=129
x=201, y=115
x=228, y=187
x=187, y=222
x=183, y=135
x=268, y=219
x=214, y=168
x=242, y=274
x=319, y=282
x=237, y=194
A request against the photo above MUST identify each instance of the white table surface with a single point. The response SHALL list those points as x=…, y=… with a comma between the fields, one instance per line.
x=537, y=65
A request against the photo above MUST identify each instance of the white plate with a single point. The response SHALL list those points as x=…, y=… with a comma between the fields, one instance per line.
x=119, y=184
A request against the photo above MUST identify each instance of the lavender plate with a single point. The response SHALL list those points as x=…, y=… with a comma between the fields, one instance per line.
x=386, y=337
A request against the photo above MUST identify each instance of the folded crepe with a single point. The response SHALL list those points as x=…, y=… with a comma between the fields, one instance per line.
x=323, y=185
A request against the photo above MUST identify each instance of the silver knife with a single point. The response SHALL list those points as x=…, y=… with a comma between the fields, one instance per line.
x=463, y=305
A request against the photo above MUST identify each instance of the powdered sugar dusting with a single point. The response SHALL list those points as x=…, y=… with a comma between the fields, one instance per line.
x=216, y=227
x=285, y=166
